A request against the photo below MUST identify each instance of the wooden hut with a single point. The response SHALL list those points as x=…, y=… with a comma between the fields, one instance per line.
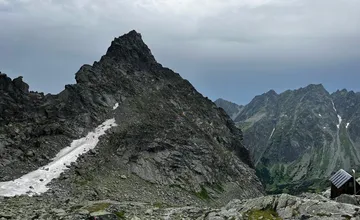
x=343, y=183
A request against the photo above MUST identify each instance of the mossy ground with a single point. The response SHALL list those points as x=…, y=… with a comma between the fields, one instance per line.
x=324, y=214
x=266, y=214
x=160, y=205
x=120, y=214
x=98, y=207
x=203, y=194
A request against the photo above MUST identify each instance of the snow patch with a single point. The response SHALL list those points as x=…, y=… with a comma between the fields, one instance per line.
x=116, y=106
x=324, y=127
x=340, y=120
x=272, y=133
x=347, y=125
x=35, y=182
x=320, y=115
x=333, y=106
x=339, y=117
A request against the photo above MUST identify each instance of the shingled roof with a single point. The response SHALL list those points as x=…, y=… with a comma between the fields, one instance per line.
x=340, y=178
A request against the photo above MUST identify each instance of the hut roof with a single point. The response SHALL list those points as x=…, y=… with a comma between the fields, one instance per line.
x=340, y=178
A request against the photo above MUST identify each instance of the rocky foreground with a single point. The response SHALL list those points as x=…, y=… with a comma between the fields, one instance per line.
x=276, y=207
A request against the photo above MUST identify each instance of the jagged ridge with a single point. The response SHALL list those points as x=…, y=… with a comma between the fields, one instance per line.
x=168, y=133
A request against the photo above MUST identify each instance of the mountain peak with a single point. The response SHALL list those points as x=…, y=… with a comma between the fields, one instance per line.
x=343, y=91
x=271, y=92
x=131, y=37
x=315, y=86
x=223, y=100
x=130, y=48
x=133, y=32
x=220, y=100
x=6, y=83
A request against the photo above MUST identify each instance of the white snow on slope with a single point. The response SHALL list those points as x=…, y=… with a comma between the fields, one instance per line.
x=272, y=133
x=347, y=125
x=116, y=106
x=320, y=115
x=35, y=182
x=333, y=106
x=340, y=120
x=339, y=117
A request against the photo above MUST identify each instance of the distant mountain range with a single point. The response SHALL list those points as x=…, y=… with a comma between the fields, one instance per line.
x=298, y=138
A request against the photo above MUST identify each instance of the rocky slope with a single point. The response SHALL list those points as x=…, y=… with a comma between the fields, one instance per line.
x=298, y=138
x=275, y=207
x=170, y=144
x=232, y=109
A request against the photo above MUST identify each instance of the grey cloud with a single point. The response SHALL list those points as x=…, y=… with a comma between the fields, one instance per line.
x=214, y=39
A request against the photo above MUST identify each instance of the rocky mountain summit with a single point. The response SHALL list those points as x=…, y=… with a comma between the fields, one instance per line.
x=163, y=142
x=298, y=138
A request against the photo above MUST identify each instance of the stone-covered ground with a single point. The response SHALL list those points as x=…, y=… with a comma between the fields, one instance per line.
x=284, y=206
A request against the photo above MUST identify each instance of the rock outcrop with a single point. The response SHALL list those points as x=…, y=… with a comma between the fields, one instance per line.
x=168, y=134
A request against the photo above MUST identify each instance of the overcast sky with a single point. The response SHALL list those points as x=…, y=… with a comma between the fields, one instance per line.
x=234, y=49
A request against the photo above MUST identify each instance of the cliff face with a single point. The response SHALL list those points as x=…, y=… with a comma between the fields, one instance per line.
x=167, y=134
x=298, y=138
